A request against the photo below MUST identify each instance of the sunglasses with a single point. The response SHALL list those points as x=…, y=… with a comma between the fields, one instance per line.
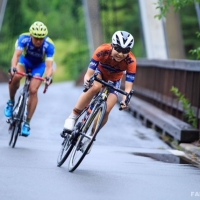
x=121, y=50
x=38, y=38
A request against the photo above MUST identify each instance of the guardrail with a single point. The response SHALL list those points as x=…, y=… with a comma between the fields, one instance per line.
x=160, y=107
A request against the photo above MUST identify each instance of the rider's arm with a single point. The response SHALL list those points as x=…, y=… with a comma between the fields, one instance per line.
x=50, y=51
x=88, y=74
x=16, y=57
x=128, y=88
x=49, y=68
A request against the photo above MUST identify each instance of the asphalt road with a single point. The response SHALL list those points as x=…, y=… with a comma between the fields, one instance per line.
x=127, y=161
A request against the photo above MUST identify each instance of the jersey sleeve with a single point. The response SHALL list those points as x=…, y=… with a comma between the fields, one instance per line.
x=50, y=50
x=21, y=42
x=131, y=71
x=94, y=62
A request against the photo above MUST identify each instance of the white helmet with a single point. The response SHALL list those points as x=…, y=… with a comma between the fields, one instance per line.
x=123, y=39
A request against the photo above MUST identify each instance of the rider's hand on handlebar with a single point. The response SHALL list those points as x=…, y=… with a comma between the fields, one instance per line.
x=123, y=105
x=86, y=84
x=12, y=71
x=48, y=80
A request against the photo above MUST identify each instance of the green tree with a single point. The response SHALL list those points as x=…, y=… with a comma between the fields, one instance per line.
x=122, y=15
x=189, y=23
x=164, y=5
x=66, y=24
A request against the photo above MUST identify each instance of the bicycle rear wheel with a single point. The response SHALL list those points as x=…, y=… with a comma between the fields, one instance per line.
x=86, y=139
x=65, y=150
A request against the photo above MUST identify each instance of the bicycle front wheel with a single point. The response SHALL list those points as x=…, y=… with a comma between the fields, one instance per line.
x=11, y=131
x=65, y=150
x=16, y=132
x=86, y=139
x=17, y=120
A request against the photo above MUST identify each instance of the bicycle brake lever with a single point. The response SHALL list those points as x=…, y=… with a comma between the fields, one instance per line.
x=90, y=81
x=128, y=98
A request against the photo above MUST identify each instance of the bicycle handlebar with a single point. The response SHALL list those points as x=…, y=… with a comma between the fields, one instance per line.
x=27, y=75
x=95, y=78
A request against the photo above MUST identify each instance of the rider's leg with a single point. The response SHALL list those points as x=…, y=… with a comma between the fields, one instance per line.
x=86, y=97
x=111, y=101
x=82, y=102
x=33, y=97
x=13, y=87
x=32, y=103
x=36, y=70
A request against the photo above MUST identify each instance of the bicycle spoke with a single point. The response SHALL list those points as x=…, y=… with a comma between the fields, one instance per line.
x=85, y=141
x=65, y=150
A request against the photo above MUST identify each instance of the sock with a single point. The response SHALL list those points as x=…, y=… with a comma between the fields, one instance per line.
x=28, y=120
x=73, y=115
x=12, y=101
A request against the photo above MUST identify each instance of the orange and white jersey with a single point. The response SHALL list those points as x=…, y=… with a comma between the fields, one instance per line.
x=111, y=69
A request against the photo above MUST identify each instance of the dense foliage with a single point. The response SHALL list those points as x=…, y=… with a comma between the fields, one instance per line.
x=164, y=5
x=189, y=23
x=67, y=27
x=66, y=23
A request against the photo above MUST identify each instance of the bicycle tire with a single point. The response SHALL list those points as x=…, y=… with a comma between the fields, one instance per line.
x=66, y=148
x=11, y=130
x=78, y=154
x=12, y=127
x=18, y=119
x=16, y=133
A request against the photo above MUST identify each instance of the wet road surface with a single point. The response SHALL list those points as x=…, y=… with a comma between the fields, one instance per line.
x=127, y=161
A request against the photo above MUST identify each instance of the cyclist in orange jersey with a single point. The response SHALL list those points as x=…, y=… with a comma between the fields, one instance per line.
x=111, y=61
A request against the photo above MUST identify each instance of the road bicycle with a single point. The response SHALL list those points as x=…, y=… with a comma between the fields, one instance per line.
x=20, y=109
x=78, y=143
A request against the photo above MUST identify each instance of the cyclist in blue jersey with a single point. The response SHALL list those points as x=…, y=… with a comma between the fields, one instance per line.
x=34, y=51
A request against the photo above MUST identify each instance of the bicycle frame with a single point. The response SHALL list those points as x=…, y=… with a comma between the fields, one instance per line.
x=19, y=115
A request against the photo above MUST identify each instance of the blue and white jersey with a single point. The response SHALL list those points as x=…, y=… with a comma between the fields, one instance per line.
x=34, y=54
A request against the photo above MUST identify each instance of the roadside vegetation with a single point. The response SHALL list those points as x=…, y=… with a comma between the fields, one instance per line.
x=67, y=27
x=193, y=50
